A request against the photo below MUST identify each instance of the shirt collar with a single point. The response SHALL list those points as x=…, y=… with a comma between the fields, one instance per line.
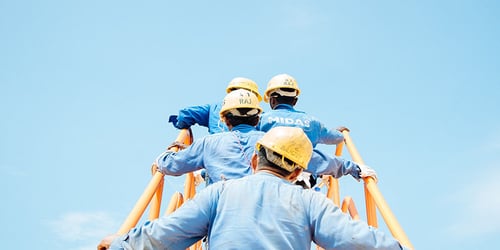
x=284, y=106
x=243, y=128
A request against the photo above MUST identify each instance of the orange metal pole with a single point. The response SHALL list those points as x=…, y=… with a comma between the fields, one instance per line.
x=175, y=202
x=371, y=211
x=389, y=218
x=348, y=206
x=333, y=190
x=147, y=195
x=189, y=186
x=141, y=204
x=154, y=209
x=376, y=198
x=334, y=182
x=189, y=192
x=184, y=136
x=338, y=149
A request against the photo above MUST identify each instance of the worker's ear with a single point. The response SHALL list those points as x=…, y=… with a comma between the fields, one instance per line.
x=272, y=102
x=254, y=162
x=293, y=176
x=225, y=121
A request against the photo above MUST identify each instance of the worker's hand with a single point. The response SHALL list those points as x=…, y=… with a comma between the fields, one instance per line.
x=365, y=171
x=342, y=128
x=156, y=166
x=106, y=242
x=177, y=144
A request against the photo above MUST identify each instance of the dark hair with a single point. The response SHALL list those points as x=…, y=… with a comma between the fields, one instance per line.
x=264, y=163
x=285, y=99
x=237, y=120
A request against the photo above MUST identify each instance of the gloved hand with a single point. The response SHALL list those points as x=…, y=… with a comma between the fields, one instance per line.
x=304, y=180
x=365, y=171
x=342, y=128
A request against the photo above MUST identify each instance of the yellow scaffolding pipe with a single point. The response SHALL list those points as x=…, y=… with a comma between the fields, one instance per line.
x=373, y=197
x=150, y=190
x=185, y=137
x=333, y=191
x=348, y=206
x=175, y=202
x=371, y=211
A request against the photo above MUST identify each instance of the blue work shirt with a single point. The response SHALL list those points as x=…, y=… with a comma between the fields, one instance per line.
x=286, y=115
x=225, y=155
x=203, y=115
x=337, y=167
x=228, y=156
x=260, y=211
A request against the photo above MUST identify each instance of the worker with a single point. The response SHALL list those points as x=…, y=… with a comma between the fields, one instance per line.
x=227, y=155
x=260, y=211
x=282, y=94
x=208, y=115
x=224, y=155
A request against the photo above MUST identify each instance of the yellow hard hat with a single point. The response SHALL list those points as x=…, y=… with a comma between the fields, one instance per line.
x=289, y=142
x=240, y=98
x=281, y=81
x=244, y=83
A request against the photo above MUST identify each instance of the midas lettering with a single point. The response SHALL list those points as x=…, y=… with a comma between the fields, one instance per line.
x=290, y=121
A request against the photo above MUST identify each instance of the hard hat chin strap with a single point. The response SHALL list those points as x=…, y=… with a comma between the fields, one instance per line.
x=280, y=161
x=241, y=113
x=282, y=92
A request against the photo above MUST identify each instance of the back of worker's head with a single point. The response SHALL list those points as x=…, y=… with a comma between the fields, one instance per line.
x=284, y=149
x=282, y=88
x=244, y=83
x=240, y=107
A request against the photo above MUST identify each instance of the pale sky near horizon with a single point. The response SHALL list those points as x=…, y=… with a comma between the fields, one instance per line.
x=86, y=88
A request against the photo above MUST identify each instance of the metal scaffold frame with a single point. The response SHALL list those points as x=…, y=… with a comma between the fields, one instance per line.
x=152, y=195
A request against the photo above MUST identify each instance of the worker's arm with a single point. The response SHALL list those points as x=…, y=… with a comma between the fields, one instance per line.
x=321, y=163
x=181, y=162
x=334, y=229
x=193, y=115
x=179, y=230
x=329, y=136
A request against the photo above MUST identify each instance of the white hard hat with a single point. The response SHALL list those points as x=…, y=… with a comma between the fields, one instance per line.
x=240, y=98
x=280, y=82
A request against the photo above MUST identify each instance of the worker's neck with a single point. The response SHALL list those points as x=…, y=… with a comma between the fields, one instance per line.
x=273, y=173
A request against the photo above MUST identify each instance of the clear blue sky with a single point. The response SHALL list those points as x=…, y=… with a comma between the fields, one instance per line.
x=86, y=88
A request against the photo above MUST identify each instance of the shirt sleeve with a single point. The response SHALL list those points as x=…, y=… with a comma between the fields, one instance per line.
x=321, y=163
x=184, y=161
x=334, y=229
x=329, y=136
x=179, y=230
x=193, y=115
